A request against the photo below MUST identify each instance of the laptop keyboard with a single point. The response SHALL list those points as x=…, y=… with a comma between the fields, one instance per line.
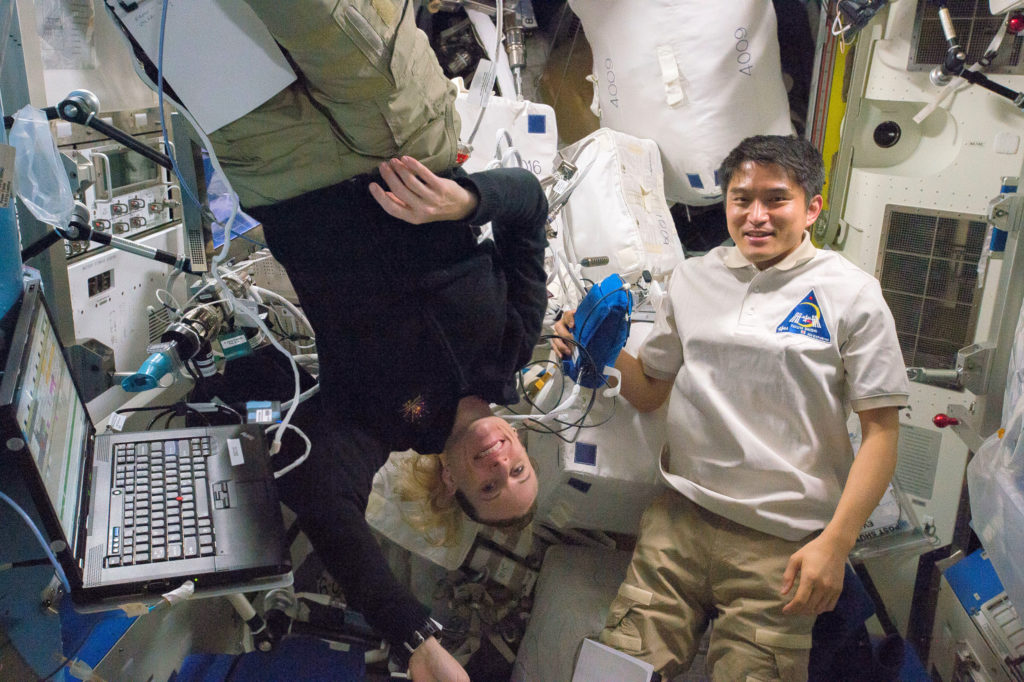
x=159, y=506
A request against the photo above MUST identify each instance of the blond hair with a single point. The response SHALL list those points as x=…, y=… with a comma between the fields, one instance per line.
x=429, y=508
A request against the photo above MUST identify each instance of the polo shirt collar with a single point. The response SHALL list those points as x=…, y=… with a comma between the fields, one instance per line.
x=800, y=255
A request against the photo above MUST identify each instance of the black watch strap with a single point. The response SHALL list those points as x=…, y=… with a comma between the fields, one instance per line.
x=429, y=628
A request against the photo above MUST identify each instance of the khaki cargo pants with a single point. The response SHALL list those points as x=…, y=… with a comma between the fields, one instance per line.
x=370, y=89
x=690, y=564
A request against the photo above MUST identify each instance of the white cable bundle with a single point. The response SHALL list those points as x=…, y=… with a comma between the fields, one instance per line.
x=694, y=76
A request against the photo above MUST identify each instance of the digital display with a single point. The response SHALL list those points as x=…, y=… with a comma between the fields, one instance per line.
x=128, y=169
x=54, y=420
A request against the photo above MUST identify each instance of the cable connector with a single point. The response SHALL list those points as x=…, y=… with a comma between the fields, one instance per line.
x=81, y=670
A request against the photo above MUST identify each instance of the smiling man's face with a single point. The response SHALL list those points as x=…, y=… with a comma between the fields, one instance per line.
x=767, y=212
x=488, y=463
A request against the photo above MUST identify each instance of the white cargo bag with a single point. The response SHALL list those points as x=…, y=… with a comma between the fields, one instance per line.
x=694, y=76
x=618, y=210
x=610, y=474
x=530, y=126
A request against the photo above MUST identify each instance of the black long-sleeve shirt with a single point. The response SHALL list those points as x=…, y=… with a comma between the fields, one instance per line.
x=409, y=319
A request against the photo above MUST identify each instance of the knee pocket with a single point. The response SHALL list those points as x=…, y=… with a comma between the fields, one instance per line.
x=621, y=631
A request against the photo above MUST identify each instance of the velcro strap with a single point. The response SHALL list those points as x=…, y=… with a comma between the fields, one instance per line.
x=629, y=259
x=670, y=77
x=595, y=103
x=782, y=639
x=635, y=594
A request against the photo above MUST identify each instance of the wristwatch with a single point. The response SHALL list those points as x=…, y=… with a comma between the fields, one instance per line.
x=429, y=628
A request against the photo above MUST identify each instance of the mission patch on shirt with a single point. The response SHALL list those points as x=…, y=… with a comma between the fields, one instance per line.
x=806, y=320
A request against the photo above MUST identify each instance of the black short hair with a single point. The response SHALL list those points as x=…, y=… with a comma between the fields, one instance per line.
x=798, y=157
x=514, y=523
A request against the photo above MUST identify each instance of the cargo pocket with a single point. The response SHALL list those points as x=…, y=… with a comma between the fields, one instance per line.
x=621, y=631
x=792, y=652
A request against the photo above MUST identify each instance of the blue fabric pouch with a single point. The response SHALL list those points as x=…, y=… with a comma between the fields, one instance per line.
x=602, y=326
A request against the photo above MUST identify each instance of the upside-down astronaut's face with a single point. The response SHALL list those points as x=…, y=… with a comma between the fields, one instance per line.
x=488, y=463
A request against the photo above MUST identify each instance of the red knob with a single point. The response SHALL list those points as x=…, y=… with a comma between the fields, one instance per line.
x=1015, y=24
x=944, y=420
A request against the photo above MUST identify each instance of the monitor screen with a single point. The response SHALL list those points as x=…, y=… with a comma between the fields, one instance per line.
x=53, y=419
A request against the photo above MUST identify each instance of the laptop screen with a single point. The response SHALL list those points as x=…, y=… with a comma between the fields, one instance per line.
x=53, y=419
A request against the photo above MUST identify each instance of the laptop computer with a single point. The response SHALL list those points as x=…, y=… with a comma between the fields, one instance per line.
x=131, y=514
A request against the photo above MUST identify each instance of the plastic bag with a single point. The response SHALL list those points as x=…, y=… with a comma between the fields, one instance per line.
x=39, y=175
x=1015, y=371
x=995, y=481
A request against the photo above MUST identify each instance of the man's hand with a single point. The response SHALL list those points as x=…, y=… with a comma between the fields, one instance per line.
x=432, y=663
x=563, y=327
x=418, y=196
x=820, y=564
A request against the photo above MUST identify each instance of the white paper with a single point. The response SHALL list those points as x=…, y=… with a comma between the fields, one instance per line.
x=66, y=35
x=218, y=56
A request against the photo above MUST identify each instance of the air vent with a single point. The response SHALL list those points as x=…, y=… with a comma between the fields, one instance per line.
x=195, y=247
x=159, y=319
x=929, y=275
x=974, y=26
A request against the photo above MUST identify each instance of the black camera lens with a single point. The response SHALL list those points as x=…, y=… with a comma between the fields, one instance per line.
x=887, y=134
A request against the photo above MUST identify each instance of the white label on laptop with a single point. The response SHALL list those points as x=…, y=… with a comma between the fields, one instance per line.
x=116, y=421
x=235, y=452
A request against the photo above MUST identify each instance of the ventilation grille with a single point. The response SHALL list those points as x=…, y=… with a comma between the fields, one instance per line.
x=975, y=27
x=929, y=277
x=195, y=246
x=159, y=319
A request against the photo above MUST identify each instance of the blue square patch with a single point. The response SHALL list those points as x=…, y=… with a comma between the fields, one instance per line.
x=586, y=453
x=537, y=123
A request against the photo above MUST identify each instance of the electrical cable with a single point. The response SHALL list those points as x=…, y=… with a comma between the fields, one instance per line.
x=298, y=460
x=303, y=397
x=42, y=541
x=250, y=240
x=74, y=654
x=230, y=410
x=187, y=364
x=289, y=306
x=538, y=422
x=176, y=308
x=157, y=417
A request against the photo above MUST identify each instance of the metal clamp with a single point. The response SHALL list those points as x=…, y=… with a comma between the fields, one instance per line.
x=973, y=365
